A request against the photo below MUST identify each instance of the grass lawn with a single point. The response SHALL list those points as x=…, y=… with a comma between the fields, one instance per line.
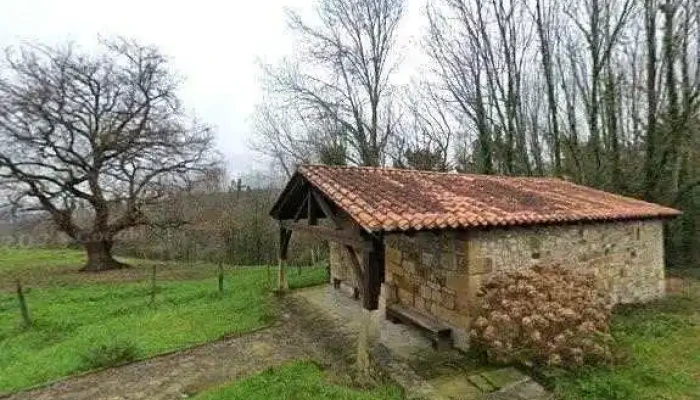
x=299, y=381
x=660, y=345
x=21, y=260
x=54, y=267
x=71, y=320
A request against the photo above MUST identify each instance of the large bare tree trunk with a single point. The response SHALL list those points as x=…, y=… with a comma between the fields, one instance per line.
x=99, y=257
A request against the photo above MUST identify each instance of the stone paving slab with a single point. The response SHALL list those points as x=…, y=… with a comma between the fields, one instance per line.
x=456, y=388
x=481, y=382
x=525, y=390
x=503, y=377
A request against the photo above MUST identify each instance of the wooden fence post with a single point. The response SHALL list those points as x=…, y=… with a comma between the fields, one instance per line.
x=221, y=277
x=26, y=319
x=153, y=285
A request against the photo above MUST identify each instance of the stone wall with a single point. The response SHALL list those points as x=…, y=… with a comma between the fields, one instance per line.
x=439, y=273
x=341, y=267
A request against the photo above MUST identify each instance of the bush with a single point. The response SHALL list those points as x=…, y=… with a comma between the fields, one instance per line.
x=543, y=316
x=109, y=355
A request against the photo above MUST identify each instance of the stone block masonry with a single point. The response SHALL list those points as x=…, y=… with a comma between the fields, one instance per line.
x=439, y=273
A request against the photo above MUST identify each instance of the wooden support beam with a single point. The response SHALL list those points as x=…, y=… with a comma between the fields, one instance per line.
x=345, y=237
x=311, y=209
x=326, y=208
x=373, y=260
x=285, y=237
x=356, y=267
x=300, y=210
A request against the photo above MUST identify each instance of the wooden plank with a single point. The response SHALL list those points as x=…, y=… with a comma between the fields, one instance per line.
x=341, y=236
x=406, y=315
x=440, y=334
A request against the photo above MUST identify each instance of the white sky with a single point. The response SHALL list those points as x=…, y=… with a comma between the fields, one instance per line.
x=215, y=45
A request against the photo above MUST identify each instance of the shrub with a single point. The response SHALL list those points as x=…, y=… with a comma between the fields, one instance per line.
x=109, y=355
x=543, y=316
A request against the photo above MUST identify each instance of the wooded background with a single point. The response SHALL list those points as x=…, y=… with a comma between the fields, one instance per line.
x=601, y=92
x=604, y=93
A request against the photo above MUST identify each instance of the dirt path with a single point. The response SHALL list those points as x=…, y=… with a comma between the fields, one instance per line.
x=178, y=375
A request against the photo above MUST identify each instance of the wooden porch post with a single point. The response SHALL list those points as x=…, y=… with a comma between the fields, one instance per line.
x=372, y=277
x=282, y=283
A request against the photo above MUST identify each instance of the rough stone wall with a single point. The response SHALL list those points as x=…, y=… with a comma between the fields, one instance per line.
x=627, y=257
x=341, y=267
x=440, y=273
x=430, y=273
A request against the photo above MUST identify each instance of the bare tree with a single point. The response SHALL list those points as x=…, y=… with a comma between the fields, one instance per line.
x=426, y=131
x=547, y=39
x=343, y=72
x=289, y=138
x=650, y=176
x=600, y=24
x=104, y=133
x=282, y=136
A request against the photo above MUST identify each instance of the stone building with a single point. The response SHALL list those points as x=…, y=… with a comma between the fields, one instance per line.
x=417, y=246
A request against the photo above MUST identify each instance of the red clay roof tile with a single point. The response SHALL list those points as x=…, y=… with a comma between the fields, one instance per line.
x=385, y=199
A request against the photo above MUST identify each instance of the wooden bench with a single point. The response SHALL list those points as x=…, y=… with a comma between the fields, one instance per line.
x=439, y=333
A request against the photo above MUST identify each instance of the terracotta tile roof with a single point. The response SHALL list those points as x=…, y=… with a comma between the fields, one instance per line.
x=393, y=199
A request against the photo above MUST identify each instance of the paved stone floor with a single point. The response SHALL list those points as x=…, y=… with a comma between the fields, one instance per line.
x=408, y=356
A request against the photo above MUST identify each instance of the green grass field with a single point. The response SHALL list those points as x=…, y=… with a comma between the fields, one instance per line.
x=22, y=260
x=56, y=267
x=70, y=319
x=299, y=381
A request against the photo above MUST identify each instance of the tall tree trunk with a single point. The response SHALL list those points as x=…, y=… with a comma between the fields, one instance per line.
x=485, y=161
x=99, y=256
x=650, y=167
x=672, y=155
x=593, y=108
x=549, y=82
x=613, y=134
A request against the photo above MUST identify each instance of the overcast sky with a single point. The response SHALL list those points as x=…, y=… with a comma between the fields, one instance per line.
x=215, y=45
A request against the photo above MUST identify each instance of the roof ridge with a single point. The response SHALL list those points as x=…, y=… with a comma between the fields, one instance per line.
x=426, y=172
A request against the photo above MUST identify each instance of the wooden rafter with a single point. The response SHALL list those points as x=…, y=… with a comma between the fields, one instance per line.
x=326, y=208
x=311, y=209
x=300, y=210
